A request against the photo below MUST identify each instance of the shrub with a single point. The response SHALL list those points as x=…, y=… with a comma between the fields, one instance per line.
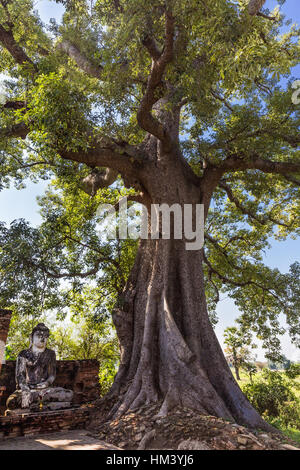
x=267, y=394
x=289, y=413
x=293, y=371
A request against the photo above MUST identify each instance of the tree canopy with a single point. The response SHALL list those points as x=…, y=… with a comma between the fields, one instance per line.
x=78, y=105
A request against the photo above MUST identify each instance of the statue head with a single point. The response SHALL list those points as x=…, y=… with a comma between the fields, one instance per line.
x=39, y=336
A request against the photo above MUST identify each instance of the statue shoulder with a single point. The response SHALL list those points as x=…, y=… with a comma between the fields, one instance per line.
x=51, y=353
x=24, y=354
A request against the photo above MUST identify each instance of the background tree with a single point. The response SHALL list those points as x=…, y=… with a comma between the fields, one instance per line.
x=237, y=348
x=250, y=368
x=178, y=102
x=282, y=364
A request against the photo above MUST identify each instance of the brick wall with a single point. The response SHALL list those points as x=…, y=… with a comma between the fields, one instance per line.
x=5, y=316
x=79, y=376
x=45, y=422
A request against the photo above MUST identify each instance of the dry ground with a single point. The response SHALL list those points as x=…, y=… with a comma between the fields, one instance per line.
x=68, y=440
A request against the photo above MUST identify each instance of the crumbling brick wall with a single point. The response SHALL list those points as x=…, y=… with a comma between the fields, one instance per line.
x=80, y=376
x=5, y=316
x=45, y=422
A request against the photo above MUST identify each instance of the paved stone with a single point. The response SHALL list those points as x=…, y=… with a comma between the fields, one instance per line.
x=70, y=440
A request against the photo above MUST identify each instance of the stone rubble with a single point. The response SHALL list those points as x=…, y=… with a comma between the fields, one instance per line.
x=185, y=429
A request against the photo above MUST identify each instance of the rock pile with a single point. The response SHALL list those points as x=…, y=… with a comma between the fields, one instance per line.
x=185, y=429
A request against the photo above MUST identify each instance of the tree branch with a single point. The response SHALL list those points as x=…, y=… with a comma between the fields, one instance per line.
x=271, y=18
x=217, y=298
x=8, y=41
x=98, y=179
x=228, y=280
x=292, y=180
x=15, y=131
x=81, y=60
x=254, y=6
x=144, y=115
x=254, y=162
x=104, y=152
x=14, y=104
x=223, y=100
x=65, y=275
x=293, y=140
x=152, y=47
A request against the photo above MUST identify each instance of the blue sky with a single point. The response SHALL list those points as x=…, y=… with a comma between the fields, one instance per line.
x=16, y=204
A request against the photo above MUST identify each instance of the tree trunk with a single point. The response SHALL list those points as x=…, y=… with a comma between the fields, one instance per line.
x=236, y=368
x=169, y=350
x=237, y=373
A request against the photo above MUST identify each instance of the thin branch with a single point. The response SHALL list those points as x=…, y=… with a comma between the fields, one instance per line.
x=260, y=219
x=293, y=140
x=28, y=165
x=271, y=18
x=223, y=100
x=222, y=249
x=68, y=275
x=228, y=280
x=92, y=248
x=217, y=298
x=263, y=87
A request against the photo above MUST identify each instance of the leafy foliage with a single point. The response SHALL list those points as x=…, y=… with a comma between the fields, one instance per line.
x=272, y=396
x=293, y=371
x=228, y=68
x=237, y=343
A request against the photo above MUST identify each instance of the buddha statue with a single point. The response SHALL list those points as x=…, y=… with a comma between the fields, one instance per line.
x=35, y=375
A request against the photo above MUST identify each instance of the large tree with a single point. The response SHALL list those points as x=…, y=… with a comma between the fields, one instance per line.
x=181, y=103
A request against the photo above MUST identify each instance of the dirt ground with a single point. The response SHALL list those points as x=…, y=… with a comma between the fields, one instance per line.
x=69, y=440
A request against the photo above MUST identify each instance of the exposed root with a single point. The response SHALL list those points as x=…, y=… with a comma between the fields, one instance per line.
x=183, y=428
x=169, y=351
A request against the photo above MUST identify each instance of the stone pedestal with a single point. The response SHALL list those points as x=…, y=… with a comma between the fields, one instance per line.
x=5, y=316
x=49, y=399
